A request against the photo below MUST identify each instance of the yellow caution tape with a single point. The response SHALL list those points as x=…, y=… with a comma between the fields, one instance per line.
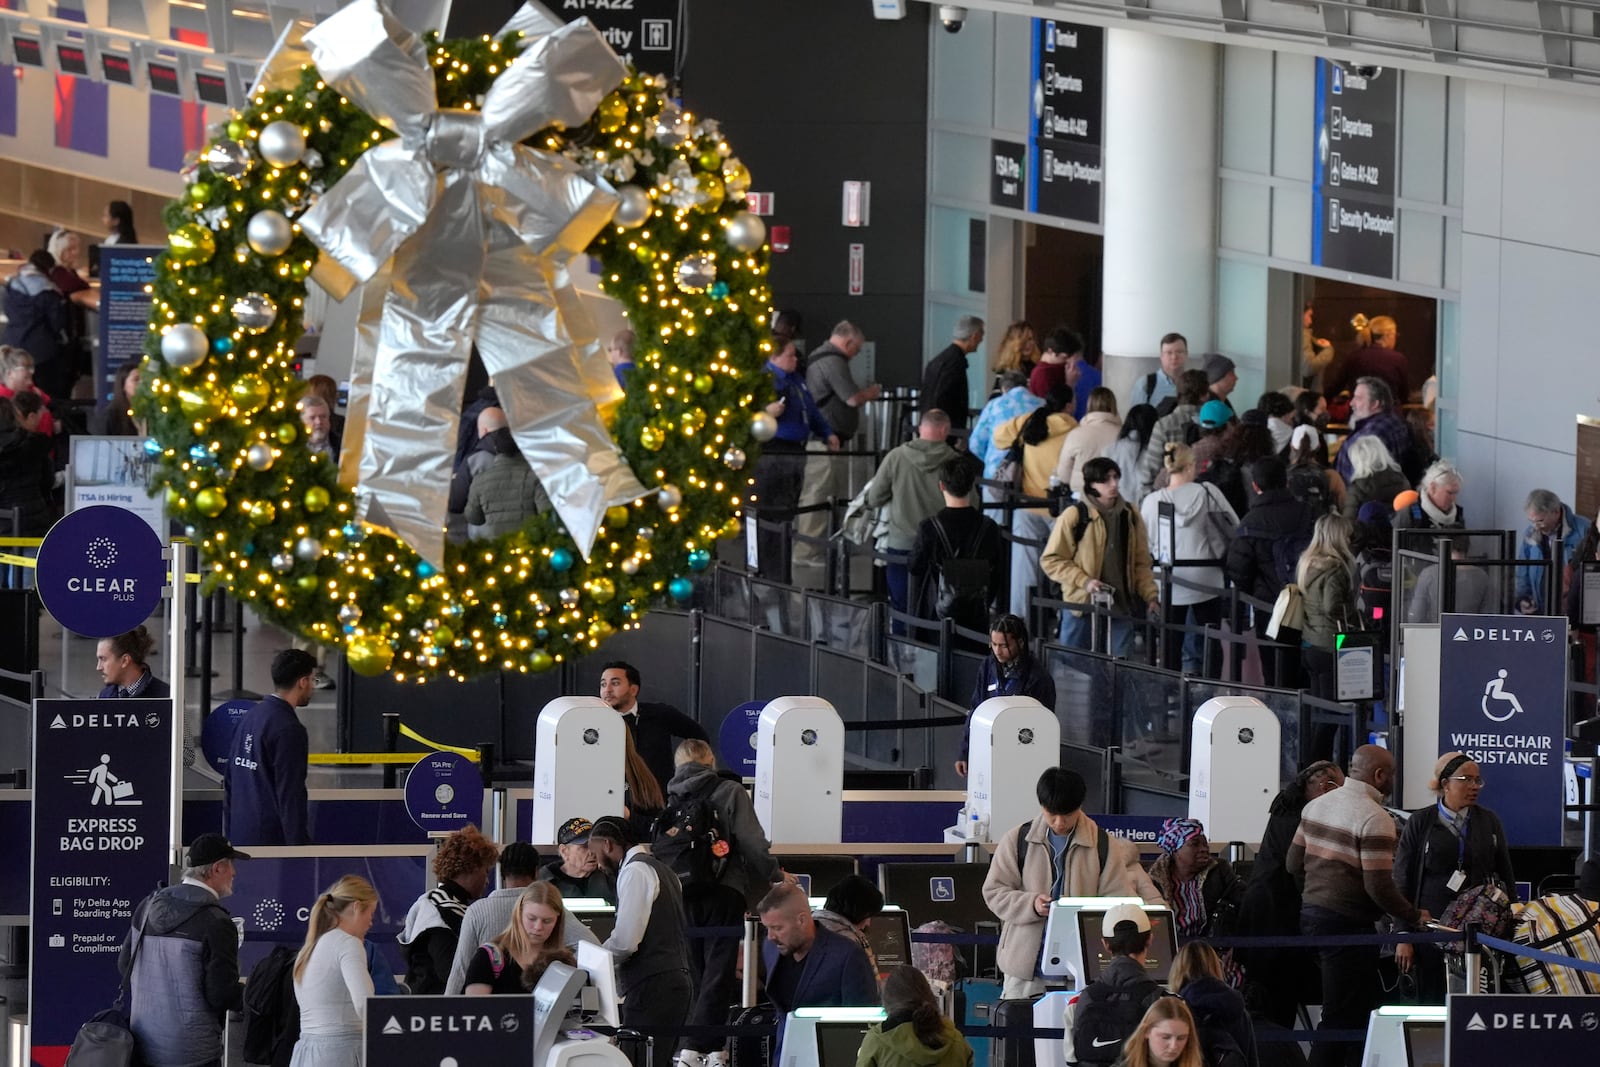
x=21, y=542
x=29, y=561
x=364, y=757
x=406, y=731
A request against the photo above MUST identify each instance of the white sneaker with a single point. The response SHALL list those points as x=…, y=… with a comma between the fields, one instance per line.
x=690, y=1058
x=719, y=1058
x=321, y=680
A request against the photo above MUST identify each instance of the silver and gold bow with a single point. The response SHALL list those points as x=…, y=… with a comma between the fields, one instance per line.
x=461, y=236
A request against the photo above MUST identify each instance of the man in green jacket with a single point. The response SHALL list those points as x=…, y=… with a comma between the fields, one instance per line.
x=908, y=484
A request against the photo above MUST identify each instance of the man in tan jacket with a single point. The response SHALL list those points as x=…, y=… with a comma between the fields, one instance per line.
x=1061, y=853
x=1099, y=546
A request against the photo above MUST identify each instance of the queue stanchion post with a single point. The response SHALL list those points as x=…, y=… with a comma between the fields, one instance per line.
x=178, y=647
x=1474, y=960
x=751, y=949
x=391, y=743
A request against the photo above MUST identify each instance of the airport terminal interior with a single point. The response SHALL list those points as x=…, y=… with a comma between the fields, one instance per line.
x=1030, y=502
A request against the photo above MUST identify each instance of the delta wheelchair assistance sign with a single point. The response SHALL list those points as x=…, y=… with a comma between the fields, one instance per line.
x=1503, y=702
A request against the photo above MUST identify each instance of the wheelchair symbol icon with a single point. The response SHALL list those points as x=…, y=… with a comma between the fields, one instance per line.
x=941, y=888
x=1495, y=690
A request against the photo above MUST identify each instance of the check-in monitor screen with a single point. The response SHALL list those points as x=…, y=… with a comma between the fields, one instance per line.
x=838, y=1043
x=600, y=923
x=1424, y=1042
x=890, y=938
x=1158, y=958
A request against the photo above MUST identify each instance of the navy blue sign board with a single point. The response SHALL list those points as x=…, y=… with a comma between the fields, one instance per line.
x=1505, y=1029
x=216, y=733
x=444, y=792
x=1502, y=702
x=100, y=571
x=102, y=796
x=736, y=740
x=454, y=1030
x=1353, y=216
x=1065, y=138
x=126, y=272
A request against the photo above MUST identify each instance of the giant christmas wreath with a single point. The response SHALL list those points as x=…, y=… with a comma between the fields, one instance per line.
x=274, y=523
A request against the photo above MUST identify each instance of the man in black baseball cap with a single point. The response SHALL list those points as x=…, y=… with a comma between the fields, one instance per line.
x=576, y=873
x=181, y=961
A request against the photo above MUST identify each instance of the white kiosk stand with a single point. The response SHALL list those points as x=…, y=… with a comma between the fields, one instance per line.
x=1013, y=741
x=800, y=771
x=1407, y=1034
x=1233, y=766
x=577, y=764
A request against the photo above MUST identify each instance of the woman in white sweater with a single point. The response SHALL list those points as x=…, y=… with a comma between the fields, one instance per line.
x=331, y=982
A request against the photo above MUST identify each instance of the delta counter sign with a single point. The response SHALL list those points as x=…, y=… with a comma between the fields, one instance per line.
x=1502, y=702
x=101, y=571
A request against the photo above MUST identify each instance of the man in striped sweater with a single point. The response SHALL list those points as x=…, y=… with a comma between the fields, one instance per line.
x=1344, y=854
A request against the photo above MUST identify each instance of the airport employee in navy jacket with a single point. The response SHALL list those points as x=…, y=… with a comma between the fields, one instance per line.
x=265, y=786
x=809, y=966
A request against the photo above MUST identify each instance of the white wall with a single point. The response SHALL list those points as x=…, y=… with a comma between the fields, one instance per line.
x=1530, y=269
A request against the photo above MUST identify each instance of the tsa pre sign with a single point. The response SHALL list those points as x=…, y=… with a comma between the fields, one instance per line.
x=1502, y=702
x=102, y=794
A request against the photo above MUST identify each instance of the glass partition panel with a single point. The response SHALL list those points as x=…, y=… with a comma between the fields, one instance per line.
x=782, y=666
x=726, y=650
x=918, y=660
x=1149, y=707
x=1083, y=695
x=780, y=608
x=841, y=680
x=883, y=705
x=842, y=624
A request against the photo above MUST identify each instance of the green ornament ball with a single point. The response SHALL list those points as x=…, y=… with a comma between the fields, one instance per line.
x=286, y=432
x=210, y=502
x=317, y=499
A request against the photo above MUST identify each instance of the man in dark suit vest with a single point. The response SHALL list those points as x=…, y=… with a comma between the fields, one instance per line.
x=656, y=728
x=650, y=940
x=809, y=966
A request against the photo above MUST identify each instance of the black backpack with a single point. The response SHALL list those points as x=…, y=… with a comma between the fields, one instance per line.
x=962, y=590
x=688, y=836
x=1308, y=483
x=1107, y=1016
x=1218, y=1046
x=271, y=1012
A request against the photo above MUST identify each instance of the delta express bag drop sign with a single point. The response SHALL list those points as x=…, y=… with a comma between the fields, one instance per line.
x=100, y=571
x=1503, y=702
x=101, y=805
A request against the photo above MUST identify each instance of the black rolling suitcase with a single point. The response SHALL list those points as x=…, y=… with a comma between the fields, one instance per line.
x=1013, y=1050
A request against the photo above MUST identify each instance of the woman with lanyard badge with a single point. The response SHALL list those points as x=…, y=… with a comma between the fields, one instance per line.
x=1452, y=845
x=1009, y=670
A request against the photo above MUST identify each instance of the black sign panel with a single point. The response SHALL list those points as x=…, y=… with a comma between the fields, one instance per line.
x=1353, y=207
x=29, y=52
x=1008, y=174
x=1503, y=1029
x=644, y=32
x=210, y=88
x=1069, y=108
x=407, y=1029
x=116, y=68
x=164, y=79
x=72, y=59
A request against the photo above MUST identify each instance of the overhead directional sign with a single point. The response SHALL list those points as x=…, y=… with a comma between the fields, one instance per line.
x=1353, y=210
x=1066, y=175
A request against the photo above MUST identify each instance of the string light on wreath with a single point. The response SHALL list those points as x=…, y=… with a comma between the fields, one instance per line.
x=273, y=524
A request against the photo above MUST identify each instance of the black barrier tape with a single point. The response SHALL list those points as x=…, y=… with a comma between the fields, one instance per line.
x=1438, y=937
x=1046, y=1033
x=906, y=724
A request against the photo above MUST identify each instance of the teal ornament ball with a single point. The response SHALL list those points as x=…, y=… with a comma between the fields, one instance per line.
x=719, y=291
x=222, y=345
x=561, y=560
x=681, y=589
x=699, y=559
x=426, y=569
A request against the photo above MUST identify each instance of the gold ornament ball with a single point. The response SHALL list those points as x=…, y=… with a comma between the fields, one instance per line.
x=540, y=662
x=307, y=583
x=712, y=192
x=286, y=432
x=250, y=393
x=600, y=629
x=611, y=114
x=210, y=502
x=190, y=245
x=413, y=602
x=317, y=499
x=704, y=383
x=175, y=501
x=617, y=515
x=199, y=402
x=735, y=177
x=732, y=527
x=444, y=636
x=262, y=512
x=710, y=159
x=602, y=590
x=693, y=420
x=652, y=438
x=369, y=655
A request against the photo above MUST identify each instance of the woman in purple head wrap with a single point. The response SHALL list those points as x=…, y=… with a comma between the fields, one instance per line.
x=1201, y=889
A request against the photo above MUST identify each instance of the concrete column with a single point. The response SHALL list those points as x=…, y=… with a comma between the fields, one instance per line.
x=1160, y=200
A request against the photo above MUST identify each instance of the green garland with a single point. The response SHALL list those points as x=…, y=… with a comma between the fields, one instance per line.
x=272, y=522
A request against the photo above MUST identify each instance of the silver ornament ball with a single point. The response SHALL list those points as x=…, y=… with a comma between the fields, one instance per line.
x=734, y=458
x=281, y=144
x=669, y=497
x=647, y=533
x=630, y=566
x=269, y=233
x=229, y=159
x=184, y=346
x=259, y=456
x=669, y=128
x=283, y=563
x=633, y=207
x=308, y=549
x=763, y=427
x=696, y=273
x=746, y=232
x=255, y=312
x=349, y=614
x=569, y=597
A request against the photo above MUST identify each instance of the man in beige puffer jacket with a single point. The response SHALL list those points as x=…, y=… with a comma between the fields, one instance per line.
x=1062, y=859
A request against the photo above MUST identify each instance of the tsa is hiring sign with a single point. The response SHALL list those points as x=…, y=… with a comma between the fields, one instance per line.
x=101, y=803
x=1502, y=702
x=101, y=571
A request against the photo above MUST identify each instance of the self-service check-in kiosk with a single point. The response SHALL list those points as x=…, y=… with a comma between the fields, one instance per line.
x=1233, y=766
x=799, y=794
x=1073, y=950
x=577, y=764
x=826, y=1037
x=1013, y=741
x=1411, y=1034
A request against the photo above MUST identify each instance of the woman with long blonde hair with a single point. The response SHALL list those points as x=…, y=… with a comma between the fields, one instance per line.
x=1326, y=576
x=1018, y=350
x=534, y=938
x=331, y=982
x=1165, y=1038
x=642, y=799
